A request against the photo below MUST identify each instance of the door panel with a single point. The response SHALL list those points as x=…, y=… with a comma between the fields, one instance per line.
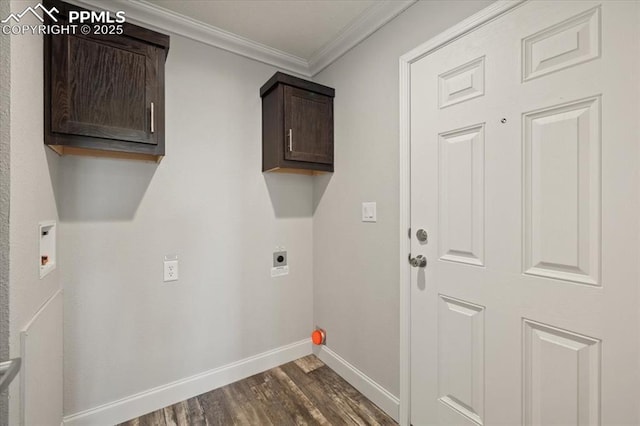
x=461, y=190
x=461, y=357
x=524, y=159
x=561, y=376
x=462, y=83
x=567, y=43
x=562, y=192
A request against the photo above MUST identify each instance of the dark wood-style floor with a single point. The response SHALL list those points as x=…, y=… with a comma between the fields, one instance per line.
x=302, y=392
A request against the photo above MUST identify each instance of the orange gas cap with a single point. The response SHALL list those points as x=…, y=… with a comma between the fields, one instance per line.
x=317, y=337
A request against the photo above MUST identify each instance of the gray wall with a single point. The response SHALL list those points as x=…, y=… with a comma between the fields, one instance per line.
x=208, y=202
x=5, y=105
x=33, y=169
x=125, y=330
x=356, y=289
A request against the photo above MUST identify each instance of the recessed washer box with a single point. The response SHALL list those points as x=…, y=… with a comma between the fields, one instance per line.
x=280, y=266
x=47, y=237
x=279, y=258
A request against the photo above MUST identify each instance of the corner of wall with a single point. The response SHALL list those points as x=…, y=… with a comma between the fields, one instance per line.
x=32, y=199
x=376, y=393
x=5, y=99
x=355, y=268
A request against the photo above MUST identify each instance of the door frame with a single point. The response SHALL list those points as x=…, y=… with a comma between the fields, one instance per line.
x=495, y=10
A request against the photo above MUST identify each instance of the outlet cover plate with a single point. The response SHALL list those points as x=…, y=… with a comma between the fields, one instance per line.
x=170, y=270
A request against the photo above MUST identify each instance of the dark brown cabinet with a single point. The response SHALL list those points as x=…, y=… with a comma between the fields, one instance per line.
x=104, y=93
x=297, y=125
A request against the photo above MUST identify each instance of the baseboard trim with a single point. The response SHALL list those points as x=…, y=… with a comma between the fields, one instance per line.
x=384, y=399
x=162, y=396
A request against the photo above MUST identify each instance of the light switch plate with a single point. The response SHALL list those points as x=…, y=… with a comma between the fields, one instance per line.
x=369, y=213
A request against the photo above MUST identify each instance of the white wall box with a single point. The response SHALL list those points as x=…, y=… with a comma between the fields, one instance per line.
x=47, y=236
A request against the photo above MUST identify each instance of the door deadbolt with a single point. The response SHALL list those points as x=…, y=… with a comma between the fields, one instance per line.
x=422, y=235
x=419, y=261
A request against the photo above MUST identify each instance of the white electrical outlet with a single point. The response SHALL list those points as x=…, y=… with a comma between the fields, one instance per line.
x=170, y=270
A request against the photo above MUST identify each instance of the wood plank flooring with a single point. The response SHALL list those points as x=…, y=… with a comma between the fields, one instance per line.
x=302, y=392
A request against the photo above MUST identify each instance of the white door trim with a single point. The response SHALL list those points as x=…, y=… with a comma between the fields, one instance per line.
x=486, y=15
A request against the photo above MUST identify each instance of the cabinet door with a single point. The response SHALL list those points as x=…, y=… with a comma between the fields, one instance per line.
x=308, y=126
x=105, y=87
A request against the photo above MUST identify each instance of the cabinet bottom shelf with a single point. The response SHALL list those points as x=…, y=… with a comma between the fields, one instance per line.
x=296, y=171
x=72, y=150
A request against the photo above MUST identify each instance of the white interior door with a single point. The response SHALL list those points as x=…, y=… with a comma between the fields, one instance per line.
x=524, y=173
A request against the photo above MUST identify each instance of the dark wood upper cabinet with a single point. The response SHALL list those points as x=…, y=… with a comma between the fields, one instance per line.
x=297, y=125
x=104, y=94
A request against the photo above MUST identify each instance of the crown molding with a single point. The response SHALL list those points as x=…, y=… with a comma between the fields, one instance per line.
x=362, y=27
x=163, y=20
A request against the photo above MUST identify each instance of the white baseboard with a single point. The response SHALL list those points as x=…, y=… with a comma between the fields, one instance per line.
x=162, y=396
x=384, y=399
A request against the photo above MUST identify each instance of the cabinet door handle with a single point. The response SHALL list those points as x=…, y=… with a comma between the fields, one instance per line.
x=153, y=127
x=290, y=140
